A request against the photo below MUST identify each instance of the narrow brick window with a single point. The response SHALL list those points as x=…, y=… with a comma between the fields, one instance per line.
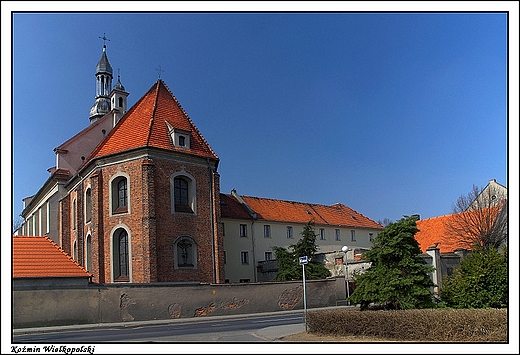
x=120, y=195
x=121, y=256
x=88, y=205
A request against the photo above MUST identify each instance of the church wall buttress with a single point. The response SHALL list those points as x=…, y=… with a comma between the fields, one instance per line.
x=149, y=223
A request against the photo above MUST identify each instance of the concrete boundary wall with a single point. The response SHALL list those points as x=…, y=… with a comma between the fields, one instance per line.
x=99, y=303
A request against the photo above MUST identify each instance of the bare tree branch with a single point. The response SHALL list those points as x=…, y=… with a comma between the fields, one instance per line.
x=479, y=218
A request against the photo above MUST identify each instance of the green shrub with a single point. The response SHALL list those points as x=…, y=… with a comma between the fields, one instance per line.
x=481, y=281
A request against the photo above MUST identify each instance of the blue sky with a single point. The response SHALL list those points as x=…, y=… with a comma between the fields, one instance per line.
x=388, y=113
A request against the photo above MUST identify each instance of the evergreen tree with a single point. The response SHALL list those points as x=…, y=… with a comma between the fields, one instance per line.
x=480, y=281
x=288, y=260
x=398, y=277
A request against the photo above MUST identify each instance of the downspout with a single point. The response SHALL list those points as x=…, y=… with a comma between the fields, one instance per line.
x=212, y=217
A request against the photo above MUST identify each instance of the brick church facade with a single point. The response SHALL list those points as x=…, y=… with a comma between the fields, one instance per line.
x=135, y=195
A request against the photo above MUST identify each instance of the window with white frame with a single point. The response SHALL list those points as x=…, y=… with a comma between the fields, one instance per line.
x=88, y=205
x=243, y=230
x=322, y=234
x=244, y=256
x=338, y=234
x=267, y=231
x=121, y=256
x=119, y=198
x=183, y=193
x=353, y=235
x=268, y=256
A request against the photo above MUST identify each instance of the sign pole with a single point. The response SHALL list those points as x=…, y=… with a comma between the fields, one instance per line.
x=303, y=261
x=304, y=299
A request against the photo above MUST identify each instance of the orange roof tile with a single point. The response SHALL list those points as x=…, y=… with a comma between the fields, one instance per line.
x=299, y=212
x=144, y=125
x=433, y=230
x=40, y=257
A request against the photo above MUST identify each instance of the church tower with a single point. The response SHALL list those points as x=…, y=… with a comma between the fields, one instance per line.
x=103, y=86
x=118, y=100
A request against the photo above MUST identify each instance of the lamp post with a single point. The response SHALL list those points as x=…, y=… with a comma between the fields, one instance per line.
x=303, y=260
x=345, y=249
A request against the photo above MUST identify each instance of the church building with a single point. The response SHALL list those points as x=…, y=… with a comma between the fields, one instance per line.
x=134, y=197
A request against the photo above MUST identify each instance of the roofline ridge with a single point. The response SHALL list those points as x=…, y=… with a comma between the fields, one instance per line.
x=111, y=132
x=189, y=119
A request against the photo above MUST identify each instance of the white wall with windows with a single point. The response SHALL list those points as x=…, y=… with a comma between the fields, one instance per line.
x=258, y=238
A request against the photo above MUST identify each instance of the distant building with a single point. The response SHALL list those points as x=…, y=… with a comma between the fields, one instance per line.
x=252, y=226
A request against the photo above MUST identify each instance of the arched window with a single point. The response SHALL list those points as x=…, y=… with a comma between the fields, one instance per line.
x=121, y=256
x=119, y=195
x=185, y=253
x=74, y=218
x=88, y=205
x=183, y=194
x=88, y=253
x=75, y=251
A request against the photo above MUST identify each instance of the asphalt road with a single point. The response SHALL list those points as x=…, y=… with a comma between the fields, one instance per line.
x=265, y=327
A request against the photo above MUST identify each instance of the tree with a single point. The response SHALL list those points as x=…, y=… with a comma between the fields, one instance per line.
x=479, y=219
x=385, y=221
x=397, y=278
x=480, y=281
x=288, y=260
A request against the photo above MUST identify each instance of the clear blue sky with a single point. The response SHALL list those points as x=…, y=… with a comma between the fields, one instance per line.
x=388, y=113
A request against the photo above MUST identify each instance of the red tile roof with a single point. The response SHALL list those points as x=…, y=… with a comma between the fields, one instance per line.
x=297, y=212
x=433, y=230
x=144, y=125
x=40, y=257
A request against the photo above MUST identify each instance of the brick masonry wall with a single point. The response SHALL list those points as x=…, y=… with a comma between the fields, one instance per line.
x=151, y=225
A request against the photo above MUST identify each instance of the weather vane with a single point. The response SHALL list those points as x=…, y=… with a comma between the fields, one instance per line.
x=159, y=71
x=104, y=38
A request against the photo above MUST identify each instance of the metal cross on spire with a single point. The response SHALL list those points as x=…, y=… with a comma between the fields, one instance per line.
x=159, y=71
x=104, y=38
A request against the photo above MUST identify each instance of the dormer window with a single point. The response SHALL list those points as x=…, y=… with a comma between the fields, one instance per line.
x=179, y=137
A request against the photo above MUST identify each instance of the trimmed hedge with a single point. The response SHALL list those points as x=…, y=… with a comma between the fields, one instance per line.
x=434, y=325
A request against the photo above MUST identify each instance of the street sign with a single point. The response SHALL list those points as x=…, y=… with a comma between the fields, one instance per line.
x=303, y=260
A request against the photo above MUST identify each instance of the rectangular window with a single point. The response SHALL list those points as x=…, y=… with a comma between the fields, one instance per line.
x=353, y=235
x=371, y=237
x=268, y=256
x=244, y=256
x=267, y=231
x=243, y=230
x=338, y=235
x=322, y=234
x=289, y=232
x=223, y=229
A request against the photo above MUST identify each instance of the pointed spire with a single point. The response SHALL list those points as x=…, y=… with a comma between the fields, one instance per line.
x=103, y=85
